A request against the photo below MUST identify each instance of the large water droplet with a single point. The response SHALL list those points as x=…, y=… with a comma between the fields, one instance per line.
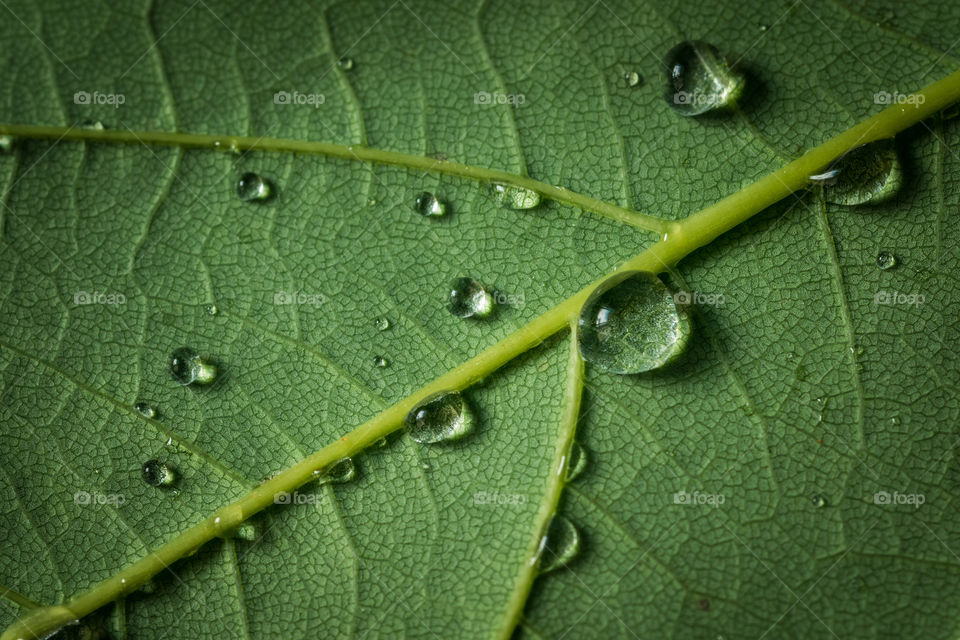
x=145, y=410
x=868, y=174
x=345, y=63
x=442, y=417
x=632, y=323
x=886, y=260
x=469, y=298
x=188, y=367
x=381, y=324
x=516, y=198
x=559, y=545
x=699, y=79
x=157, y=474
x=429, y=205
x=343, y=470
x=576, y=461
x=252, y=187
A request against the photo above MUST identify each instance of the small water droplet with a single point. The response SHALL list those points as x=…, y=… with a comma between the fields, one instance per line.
x=886, y=260
x=371, y=202
x=187, y=367
x=343, y=470
x=345, y=63
x=558, y=546
x=381, y=323
x=157, y=474
x=895, y=421
x=632, y=78
x=429, y=205
x=6, y=144
x=819, y=501
x=212, y=309
x=469, y=298
x=576, y=461
x=516, y=198
x=380, y=361
x=94, y=125
x=442, y=417
x=700, y=79
x=869, y=174
x=380, y=444
x=252, y=187
x=247, y=531
x=763, y=27
x=145, y=410
x=632, y=323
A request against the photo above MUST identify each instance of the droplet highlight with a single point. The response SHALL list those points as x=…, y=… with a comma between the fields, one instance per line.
x=442, y=417
x=869, y=174
x=429, y=205
x=187, y=367
x=558, y=546
x=253, y=187
x=469, y=299
x=632, y=323
x=886, y=260
x=700, y=79
x=516, y=198
x=157, y=474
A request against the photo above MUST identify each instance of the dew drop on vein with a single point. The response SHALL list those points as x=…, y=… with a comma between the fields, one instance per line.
x=343, y=470
x=576, y=461
x=869, y=174
x=700, y=79
x=345, y=63
x=442, y=417
x=146, y=410
x=469, y=299
x=632, y=323
x=516, y=198
x=187, y=367
x=558, y=546
x=252, y=187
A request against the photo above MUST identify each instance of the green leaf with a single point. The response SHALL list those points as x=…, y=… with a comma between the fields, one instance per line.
x=699, y=510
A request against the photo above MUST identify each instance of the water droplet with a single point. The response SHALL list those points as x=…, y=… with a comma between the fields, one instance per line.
x=247, y=531
x=886, y=260
x=342, y=470
x=381, y=323
x=429, y=205
x=157, y=474
x=868, y=174
x=763, y=27
x=252, y=186
x=212, y=309
x=895, y=421
x=345, y=63
x=632, y=323
x=516, y=198
x=95, y=125
x=380, y=444
x=6, y=144
x=145, y=410
x=469, y=298
x=558, y=546
x=576, y=461
x=442, y=417
x=380, y=361
x=632, y=78
x=700, y=79
x=819, y=501
x=188, y=367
